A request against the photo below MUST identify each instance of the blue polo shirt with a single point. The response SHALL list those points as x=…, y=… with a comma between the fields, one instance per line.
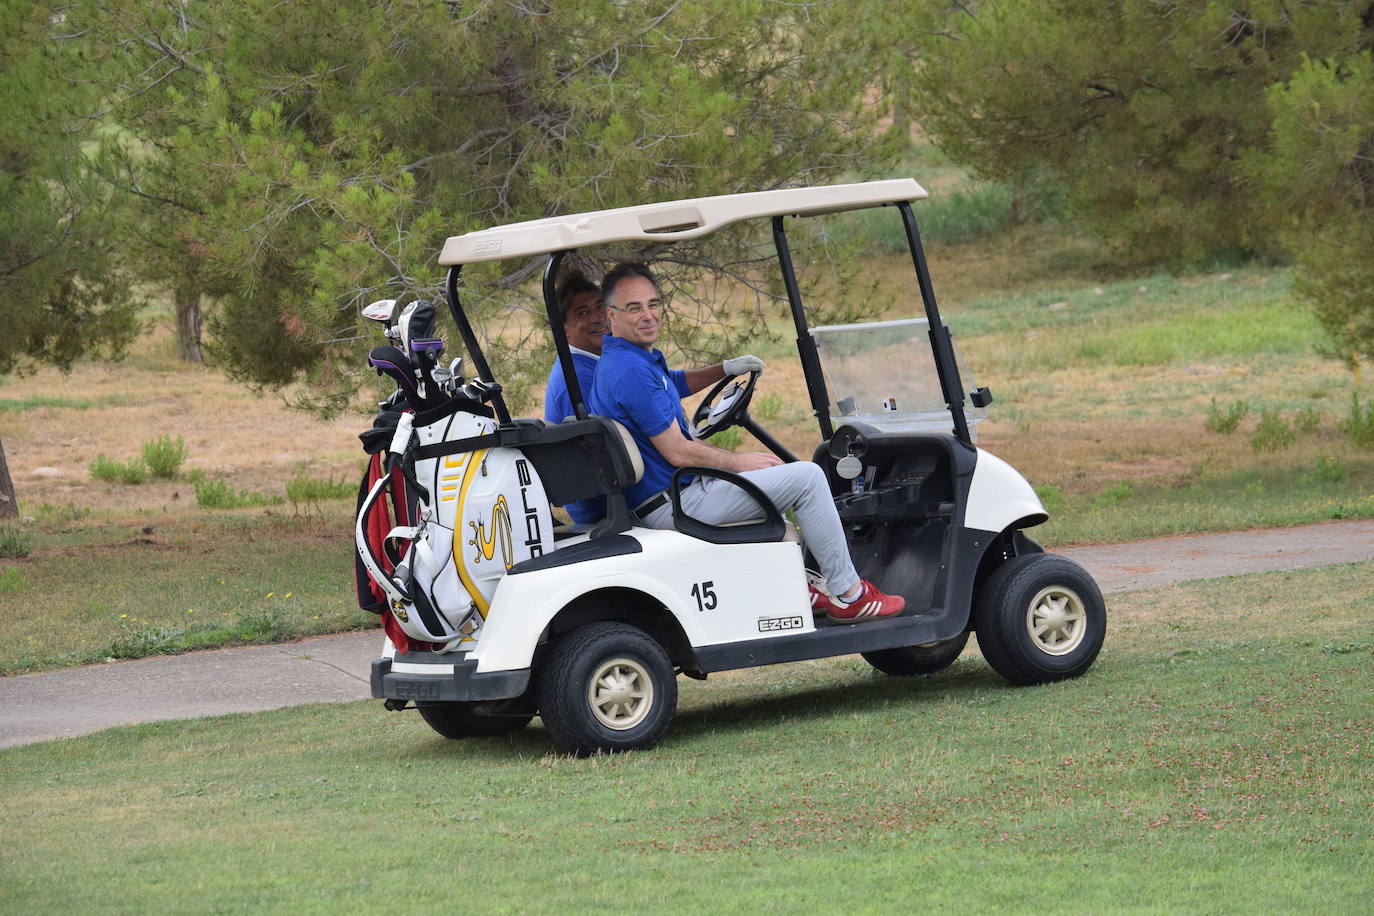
x=558, y=407
x=636, y=387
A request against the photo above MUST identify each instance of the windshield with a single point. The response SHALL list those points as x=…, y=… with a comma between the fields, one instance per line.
x=883, y=374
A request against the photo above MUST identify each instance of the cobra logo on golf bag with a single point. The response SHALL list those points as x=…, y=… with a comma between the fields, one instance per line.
x=485, y=539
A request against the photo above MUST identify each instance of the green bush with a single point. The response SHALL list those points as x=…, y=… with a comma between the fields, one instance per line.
x=1307, y=421
x=306, y=491
x=728, y=439
x=217, y=494
x=12, y=580
x=1114, y=496
x=1330, y=470
x=14, y=541
x=1272, y=433
x=969, y=214
x=111, y=471
x=164, y=456
x=1226, y=420
x=1360, y=426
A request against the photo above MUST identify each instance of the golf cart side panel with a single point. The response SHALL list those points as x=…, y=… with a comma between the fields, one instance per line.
x=999, y=497
x=715, y=593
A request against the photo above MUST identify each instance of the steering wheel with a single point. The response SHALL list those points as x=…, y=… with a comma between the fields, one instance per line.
x=724, y=406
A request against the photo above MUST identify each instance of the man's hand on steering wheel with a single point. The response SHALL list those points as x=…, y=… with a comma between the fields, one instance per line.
x=742, y=364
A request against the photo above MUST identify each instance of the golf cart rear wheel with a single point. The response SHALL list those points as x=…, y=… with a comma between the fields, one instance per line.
x=913, y=660
x=462, y=720
x=607, y=687
x=1040, y=618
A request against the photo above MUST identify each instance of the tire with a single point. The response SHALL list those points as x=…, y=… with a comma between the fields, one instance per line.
x=913, y=660
x=607, y=687
x=1040, y=618
x=462, y=720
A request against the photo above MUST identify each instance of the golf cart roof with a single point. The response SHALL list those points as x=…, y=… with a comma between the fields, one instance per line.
x=668, y=221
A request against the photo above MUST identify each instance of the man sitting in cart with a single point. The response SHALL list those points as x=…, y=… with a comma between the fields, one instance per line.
x=634, y=385
x=584, y=322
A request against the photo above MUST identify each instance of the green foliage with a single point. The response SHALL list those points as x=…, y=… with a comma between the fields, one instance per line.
x=1114, y=495
x=963, y=215
x=1273, y=432
x=1226, y=420
x=329, y=182
x=304, y=492
x=217, y=494
x=12, y=580
x=14, y=542
x=106, y=469
x=164, y=456
x=1315, y=176
x=1050, y=496
x=1307, y=420
x=1330, y=470
x=1360, y=424
x=1141, y=112
x=64, y=291
x=728, y=439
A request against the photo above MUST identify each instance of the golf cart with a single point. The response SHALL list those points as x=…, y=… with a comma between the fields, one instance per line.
x=494, y=615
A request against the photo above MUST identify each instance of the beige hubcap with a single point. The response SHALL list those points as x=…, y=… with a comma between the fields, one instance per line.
x=621, y=693
x=1057, y=620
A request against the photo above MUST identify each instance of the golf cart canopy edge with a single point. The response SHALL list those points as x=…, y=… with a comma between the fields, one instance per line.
x=667, y=221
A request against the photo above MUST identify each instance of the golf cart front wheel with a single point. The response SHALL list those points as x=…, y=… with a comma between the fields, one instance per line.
x=909, y=661
x=463, y=720
x=607, y=687
x=1040, y=618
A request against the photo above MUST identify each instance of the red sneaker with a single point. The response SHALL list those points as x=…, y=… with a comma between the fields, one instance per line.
x=821, y=603
x=870, y=604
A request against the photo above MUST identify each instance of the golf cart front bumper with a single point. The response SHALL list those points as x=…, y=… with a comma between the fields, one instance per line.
x=429, y=677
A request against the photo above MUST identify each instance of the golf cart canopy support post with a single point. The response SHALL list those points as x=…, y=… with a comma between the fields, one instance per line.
x=479, y=360
x=950, y=385
x=806, y=344
x=560, y=337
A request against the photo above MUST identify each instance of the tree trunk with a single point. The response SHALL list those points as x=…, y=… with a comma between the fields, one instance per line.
x=9, y=505
x=188, y=325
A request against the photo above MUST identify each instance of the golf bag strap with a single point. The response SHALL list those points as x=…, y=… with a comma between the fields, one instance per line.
x=453, y=447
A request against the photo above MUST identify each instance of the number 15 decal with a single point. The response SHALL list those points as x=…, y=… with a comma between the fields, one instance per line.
x=705, y=595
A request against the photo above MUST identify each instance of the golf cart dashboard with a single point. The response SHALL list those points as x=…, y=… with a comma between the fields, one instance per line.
x=885, y=477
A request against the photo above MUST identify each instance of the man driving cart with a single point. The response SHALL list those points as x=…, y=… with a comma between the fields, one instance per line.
x=634, y=386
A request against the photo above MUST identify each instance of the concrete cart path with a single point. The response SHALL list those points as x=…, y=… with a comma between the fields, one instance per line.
x=331, y=669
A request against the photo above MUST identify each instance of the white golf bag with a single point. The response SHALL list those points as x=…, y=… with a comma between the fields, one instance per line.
x=482, y=509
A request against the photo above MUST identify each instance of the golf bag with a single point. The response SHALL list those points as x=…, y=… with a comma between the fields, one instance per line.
x=465, y=508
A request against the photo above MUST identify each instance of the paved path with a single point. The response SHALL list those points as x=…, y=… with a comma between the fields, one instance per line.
x=331, y=669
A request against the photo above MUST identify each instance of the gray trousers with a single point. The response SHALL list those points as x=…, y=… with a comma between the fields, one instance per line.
x=800, y=485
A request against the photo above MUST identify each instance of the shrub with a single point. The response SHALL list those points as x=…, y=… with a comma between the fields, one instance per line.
x=769, y=407
x=1113, y=496
x=1273, y=432
x=728, y=439
x=1360, y=426
x=217, y=494
x=306, y=491
x=164, y=456
x=1226, y=421
x=1307, y=421
x=14, y=541
x=1050, y=496
x=1330, y=470
x=111, y=471
x=12, y=580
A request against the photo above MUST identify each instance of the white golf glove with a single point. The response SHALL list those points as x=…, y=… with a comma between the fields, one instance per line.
x=742, y=364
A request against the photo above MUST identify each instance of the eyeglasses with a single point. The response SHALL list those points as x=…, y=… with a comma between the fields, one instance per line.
x=654, y=305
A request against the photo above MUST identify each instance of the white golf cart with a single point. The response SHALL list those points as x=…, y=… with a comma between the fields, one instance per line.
x=588, y=626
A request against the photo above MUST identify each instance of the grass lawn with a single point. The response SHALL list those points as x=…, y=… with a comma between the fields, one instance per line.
x=1215, y=759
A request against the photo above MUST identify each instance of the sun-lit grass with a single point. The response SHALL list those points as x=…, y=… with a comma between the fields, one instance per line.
x=1215, y=759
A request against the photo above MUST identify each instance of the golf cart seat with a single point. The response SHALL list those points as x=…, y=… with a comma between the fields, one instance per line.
x=583, y=459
